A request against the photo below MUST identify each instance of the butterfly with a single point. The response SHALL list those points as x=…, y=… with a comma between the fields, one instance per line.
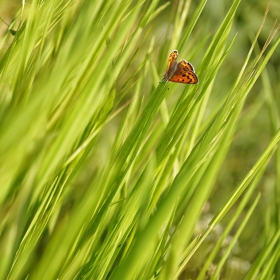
x=182, y=72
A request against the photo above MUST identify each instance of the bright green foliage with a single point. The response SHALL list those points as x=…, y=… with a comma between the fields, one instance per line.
x=104, y=172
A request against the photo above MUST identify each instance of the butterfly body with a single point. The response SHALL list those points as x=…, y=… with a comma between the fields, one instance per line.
x=182, y=72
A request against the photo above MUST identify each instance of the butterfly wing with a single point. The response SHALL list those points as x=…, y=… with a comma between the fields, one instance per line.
x=171, y=58
x=184, y=74
x=171, y=65
x=185, y=65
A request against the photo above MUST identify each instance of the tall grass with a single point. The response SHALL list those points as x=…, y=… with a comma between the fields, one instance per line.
x=104, y=172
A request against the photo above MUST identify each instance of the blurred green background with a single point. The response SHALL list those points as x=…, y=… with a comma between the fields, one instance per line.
x=254, y=130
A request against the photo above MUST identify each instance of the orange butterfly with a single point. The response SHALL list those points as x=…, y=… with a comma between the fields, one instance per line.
x=182, y=72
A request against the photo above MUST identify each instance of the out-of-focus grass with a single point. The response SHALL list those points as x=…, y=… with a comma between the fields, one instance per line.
x=106, y=174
